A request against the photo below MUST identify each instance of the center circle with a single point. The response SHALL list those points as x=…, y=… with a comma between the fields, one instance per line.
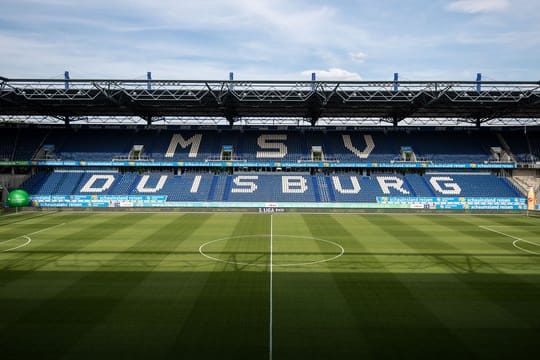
x=287, y=250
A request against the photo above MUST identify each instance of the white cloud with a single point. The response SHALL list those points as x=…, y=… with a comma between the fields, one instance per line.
x=333, y=74
x=358, y=56
x=477, y=6
x=267, y=39
x=269, y=18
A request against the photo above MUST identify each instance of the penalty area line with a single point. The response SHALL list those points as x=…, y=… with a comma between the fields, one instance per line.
x=28, y=241
x=516, y=240
x=47, y=228
x=27, y=237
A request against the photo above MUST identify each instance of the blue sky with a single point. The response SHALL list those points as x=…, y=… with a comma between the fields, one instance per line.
x=271, y=39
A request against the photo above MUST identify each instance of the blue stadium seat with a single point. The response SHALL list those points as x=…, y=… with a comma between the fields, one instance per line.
x=69, y=182
x=271, y=188
x=202, y=145
x=274, y=187
x=357, y=188
x=470, y=185
x=419, y=186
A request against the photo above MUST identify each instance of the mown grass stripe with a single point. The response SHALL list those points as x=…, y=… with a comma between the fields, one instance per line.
x=33, y=224
x=309, y=310
x=22, y=217
x=151, y=309
x=95, y=295
x=160, y=298
x=67, y=242
x=469, y=228
x=472, y=282
x=388, y=313
x=230, y=315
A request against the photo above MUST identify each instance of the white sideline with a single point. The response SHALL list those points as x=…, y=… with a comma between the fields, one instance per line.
x=12, y=214
x=174, y=212
x=516, y=240
x=27, y=212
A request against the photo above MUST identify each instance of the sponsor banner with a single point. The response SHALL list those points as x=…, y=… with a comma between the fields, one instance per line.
x=76, y=204
x=125, y=204
x=271, y=164
x=61, y=198
x=145, y=203
x=15, y=163
x=58, y=163
x=461, y=203
x=480, y=207
x=271, y=210
x=284, y=205
x=470, y=200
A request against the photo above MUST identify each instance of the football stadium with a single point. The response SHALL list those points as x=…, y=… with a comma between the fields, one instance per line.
x=269, y=219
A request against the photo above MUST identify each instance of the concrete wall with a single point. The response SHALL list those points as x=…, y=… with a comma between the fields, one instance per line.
x=12, y=181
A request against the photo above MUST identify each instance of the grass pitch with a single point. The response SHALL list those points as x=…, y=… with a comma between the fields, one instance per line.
x=251, y=286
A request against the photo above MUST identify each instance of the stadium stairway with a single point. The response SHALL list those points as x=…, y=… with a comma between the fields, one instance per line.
x=227, y=190
x=213, y=187
x=316, y=188
x=323, y=188
x=331, y=194
x=419, y=186
x=219, y=188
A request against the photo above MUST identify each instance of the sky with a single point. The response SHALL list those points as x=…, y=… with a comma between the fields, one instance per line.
x=271, y=39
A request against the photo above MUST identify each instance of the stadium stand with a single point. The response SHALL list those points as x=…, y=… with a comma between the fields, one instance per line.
x=261, y=187
x=69, y=182
x=91, y=182
x=7, y=146
x=472, y=185
x=170, y=145
x=33, y=184
x=272, y=188
x=124, y=185
x=525, y=148
x=260, y=182
x=419, y=186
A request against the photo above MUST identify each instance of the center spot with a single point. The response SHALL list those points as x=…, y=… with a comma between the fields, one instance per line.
x=287, y=250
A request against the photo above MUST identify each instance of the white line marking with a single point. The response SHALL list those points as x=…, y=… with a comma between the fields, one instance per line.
x=515, y=226
x=341, y=250
x=271, y=284
x=27, y=237
x=12, y=214
x=84, y=211
x=20, y=213
x=516, y=240
x=522, y=249
x=28, y=241
x=48, y=228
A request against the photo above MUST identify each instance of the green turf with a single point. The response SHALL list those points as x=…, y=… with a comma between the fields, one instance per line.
x=134, y=285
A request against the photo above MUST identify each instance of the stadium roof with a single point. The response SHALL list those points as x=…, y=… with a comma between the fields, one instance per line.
x=279, y=102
